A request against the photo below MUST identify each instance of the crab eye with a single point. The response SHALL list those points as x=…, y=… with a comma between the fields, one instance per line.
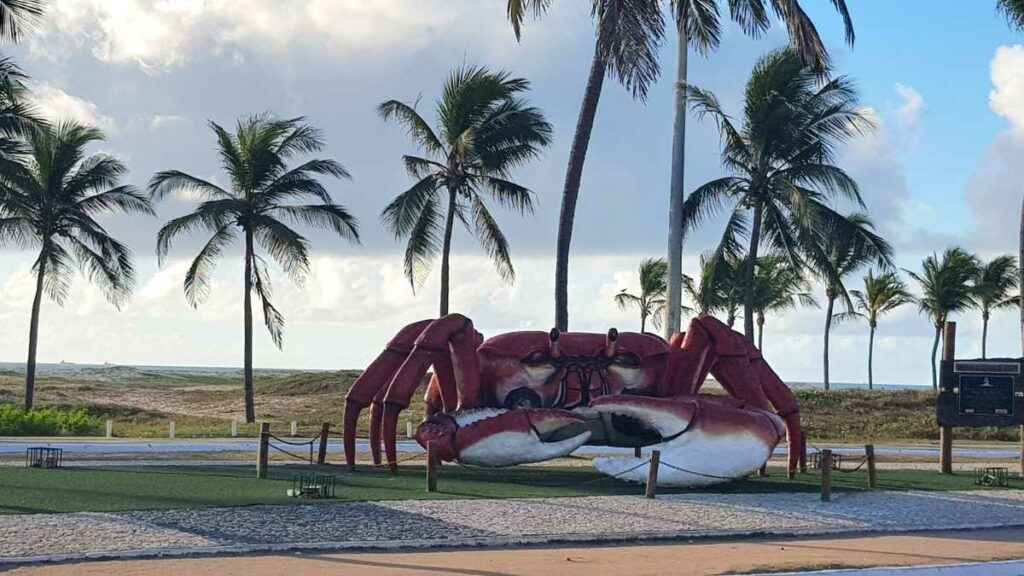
x=536, y=358
x=627, y=359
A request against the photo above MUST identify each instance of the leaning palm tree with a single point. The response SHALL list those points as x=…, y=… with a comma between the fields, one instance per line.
x=993, y=287
x=50, y=202
x=256, y=205
x=718, y=289
x=651, y=300
x=778, y=286
x=882, y=294
x=945, y=289
x=485, y=131
x=627, y=39
x=847, y=245
x=781, y=164
x=697, y=25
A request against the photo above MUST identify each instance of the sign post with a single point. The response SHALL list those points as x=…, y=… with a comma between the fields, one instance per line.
x=977, y=393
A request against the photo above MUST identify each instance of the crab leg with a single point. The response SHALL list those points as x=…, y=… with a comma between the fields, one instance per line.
x=454, y=335
x=375, y=380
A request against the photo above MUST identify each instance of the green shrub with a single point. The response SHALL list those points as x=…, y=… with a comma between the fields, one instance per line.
x=15, y=421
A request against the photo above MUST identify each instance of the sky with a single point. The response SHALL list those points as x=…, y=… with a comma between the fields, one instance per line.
x=945, y=86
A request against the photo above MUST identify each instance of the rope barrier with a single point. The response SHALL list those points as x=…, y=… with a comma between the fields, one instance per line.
x=695, y=473
x=863, y=461
x=619, y=475
x=292, y=454
x=303, y=443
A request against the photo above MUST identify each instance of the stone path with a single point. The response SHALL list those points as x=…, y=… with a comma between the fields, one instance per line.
x=429, y=524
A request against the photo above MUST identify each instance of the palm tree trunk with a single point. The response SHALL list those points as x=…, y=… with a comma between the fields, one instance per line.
x=250, y=405
x=730, y=320
x=643, y=322
x=828, y=329
x=446, y=252
x=760, y=333
x=871, y=357
x=33, y=332
x=748, y=275
x=984, y=332
x=935, y=349
x=571, y=190
x=673, y=315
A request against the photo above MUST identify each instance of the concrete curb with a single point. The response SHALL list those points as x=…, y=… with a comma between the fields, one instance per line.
x=546, y=540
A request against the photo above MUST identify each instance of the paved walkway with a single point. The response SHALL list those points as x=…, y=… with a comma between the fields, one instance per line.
x=948, y=549
x=430, y=524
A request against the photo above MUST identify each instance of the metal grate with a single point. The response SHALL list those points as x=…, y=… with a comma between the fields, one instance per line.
x=312, y=486
x=990, y=476
x=42, y=457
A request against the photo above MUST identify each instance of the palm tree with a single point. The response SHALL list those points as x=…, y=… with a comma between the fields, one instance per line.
x=628, y=35
x=485, y=131
x=945, y=289
x=697, y=24
x=780, y=161
x=993, y=285
x=846, y=246
x=50, y=201
x=1013, y=10
x=255, y=159
x=778, y=286
x=883, y=293
x=651, y=300
x=718, y=290
x=17, y=15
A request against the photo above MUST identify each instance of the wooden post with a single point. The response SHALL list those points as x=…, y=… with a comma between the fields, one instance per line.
x=262, y=450
x=763, y=470
x=826, y=475
x=946, y=432
x=869, y=453
x=652, y=474
x=171, y=432
x=234, y=427
x=803, y=453
x=1022, y=451
x=431, y=469
x=325, y=434
x=636, y=452
x=110, y=428
x=295, y=429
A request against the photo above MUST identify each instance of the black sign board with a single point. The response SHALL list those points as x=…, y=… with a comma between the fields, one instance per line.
x=975, y=393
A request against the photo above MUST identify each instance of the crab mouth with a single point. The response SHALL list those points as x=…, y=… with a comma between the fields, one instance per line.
x=643, y=420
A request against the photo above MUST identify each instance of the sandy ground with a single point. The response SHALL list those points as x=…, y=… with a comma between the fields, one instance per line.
x=688, y=558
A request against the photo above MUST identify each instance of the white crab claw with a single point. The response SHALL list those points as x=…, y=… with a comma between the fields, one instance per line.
x=704, y=441
x=498, y=437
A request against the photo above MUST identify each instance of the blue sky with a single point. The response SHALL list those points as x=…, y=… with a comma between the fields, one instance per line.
x=942, y=77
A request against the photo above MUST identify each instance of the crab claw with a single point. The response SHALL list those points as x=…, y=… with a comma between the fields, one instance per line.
x=499, y=437
x=702, y=440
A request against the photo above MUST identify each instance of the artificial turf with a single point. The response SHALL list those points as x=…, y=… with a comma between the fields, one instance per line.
x=25, y=491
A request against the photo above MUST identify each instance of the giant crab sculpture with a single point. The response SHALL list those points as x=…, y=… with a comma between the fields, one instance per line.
x=532, y=396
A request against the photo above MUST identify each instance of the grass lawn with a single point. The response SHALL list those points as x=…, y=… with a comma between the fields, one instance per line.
x=25, y=491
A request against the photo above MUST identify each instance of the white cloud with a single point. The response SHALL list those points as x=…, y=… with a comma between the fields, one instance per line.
x=162, y=34
x=994, y=190
x=159, y=121
x=910, y=109
x=55, y=104
x=1007, y=95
